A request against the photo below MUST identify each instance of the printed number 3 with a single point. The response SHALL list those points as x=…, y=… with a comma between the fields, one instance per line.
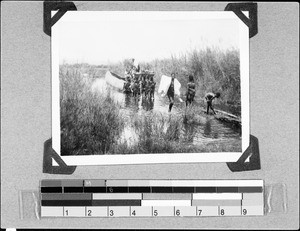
x=111, y=213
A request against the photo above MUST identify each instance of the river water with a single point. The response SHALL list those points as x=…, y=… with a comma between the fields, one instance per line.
x=207, y=130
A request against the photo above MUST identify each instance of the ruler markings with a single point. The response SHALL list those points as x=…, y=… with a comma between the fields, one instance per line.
x=89, y=198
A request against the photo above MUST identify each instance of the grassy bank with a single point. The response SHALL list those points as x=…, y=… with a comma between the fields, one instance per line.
x=90, y=123
x=159, y=133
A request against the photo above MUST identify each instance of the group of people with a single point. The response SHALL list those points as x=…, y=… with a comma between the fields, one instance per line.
x=190, y=94
x=139, y=82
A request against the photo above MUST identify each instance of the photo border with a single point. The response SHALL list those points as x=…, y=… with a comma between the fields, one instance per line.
x=164, y=157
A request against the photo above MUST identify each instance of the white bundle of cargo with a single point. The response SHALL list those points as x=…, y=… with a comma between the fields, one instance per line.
x=165, y=83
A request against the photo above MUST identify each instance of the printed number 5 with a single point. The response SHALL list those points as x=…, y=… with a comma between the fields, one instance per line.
x=155, y=213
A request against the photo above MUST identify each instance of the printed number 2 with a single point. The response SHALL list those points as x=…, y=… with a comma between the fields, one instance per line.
x=89, y=213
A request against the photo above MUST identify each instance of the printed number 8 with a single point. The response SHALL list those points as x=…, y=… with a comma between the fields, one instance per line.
x=222, y=212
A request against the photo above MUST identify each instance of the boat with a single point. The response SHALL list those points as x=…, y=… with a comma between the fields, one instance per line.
x=228, y=118
x=114, y=80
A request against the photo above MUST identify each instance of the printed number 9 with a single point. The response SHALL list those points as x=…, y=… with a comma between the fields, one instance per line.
x=244, y=211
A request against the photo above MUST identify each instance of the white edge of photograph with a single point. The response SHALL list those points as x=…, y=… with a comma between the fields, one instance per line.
x=78, y=16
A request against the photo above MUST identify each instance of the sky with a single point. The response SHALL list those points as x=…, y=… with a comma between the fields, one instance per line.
x=113, y=38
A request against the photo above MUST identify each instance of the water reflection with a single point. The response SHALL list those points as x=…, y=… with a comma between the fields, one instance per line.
x=189, y=132
x=206, y=130
x=147, y=103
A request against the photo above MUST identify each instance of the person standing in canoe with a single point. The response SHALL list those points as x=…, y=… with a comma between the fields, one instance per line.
x=209, y=97
x=191, y=91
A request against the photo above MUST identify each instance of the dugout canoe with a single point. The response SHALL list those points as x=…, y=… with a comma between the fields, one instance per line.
x=228, y=118
x=114, y=80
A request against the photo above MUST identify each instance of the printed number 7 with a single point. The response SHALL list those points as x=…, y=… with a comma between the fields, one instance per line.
x=199, y=212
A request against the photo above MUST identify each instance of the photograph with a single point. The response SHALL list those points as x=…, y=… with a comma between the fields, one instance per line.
x=133, y=87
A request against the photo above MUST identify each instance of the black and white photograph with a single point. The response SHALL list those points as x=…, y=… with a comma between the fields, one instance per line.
x=150, y=87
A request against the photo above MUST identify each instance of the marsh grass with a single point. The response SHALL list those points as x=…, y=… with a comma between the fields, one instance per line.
x=214, y=70
x=90, y=123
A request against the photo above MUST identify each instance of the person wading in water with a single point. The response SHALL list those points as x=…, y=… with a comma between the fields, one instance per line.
x=191, y=91
x=209, y=98
x=171, y=93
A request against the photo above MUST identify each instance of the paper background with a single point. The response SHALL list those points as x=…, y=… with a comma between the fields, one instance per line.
x=26, y=117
